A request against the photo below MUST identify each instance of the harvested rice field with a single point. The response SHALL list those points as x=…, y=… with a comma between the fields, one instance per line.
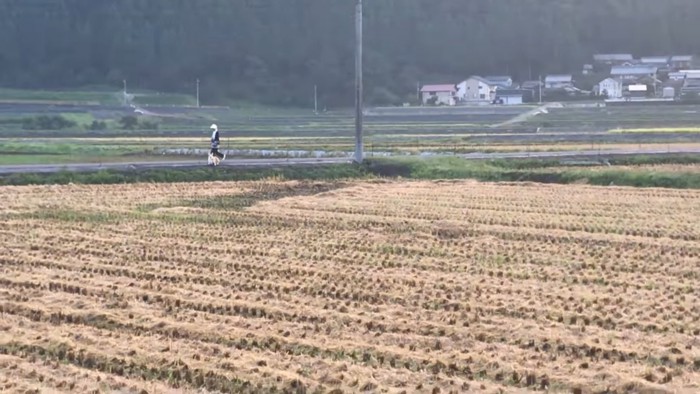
x=372, y=286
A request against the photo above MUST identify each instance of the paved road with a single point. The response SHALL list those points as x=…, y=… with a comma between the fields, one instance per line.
x=580, y=153
x=253, y=163
x=239, y=163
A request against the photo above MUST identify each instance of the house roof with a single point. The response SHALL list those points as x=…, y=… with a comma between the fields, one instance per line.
x=617, y=57
x=677, y=75
x=655, y=60
x=682, y=58
x=559, y=78
x=439, y=88
x=633, y=70
x=499, y=78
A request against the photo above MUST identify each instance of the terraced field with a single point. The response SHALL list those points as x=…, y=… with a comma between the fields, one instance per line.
x=382, y=286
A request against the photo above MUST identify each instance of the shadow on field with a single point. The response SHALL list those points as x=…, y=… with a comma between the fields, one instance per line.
x=262, y=192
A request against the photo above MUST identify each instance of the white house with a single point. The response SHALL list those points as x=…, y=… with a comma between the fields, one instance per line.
x=611, y=88
x=475, y=89
x=634, y=72
x=559, y=81
x=439, y=94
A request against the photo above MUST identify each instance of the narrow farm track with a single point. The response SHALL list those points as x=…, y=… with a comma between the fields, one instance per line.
x=344, y=287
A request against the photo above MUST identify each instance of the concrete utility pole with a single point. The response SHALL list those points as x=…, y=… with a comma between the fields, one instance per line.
x=197, y=92
x=125, y=98
x=358, y=83
x=316, y=99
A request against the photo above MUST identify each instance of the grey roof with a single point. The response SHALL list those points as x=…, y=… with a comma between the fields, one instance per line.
x=655, y=59
x=682, y=58
x=559, y=78
x=498, y=78
x=616, y=57
x=633, y=70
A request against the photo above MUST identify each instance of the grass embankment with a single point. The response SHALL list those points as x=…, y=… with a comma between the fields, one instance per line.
x=547, y=171
x=543, y=171
x=205, y=174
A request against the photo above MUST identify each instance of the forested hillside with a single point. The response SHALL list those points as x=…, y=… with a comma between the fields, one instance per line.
x=274, y=51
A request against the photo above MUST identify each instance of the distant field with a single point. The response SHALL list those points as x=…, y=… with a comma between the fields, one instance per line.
x=387, y=130
x=56, y=97
x=352, y=286
x=92, y=97
x=670, y=117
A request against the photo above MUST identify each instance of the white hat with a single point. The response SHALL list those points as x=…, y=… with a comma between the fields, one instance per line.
x=214, y=126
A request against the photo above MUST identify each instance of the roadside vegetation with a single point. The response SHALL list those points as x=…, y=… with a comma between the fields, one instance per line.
x=675, y=171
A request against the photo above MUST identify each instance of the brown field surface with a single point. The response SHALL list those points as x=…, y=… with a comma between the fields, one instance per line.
x=382, y=286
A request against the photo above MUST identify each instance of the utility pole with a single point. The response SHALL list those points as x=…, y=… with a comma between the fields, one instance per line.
x=125, y=100
x=358, y=83
x=197, y=92
x=540, y=85
x=316, y=99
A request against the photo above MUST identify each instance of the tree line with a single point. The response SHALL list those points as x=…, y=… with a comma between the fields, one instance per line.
x=275, y=51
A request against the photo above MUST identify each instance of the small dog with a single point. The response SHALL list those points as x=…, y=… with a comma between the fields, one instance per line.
x=213, y=160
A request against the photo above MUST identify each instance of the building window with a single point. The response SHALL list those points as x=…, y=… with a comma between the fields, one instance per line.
x=483, y=96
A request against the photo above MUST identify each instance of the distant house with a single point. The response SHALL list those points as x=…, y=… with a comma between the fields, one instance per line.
x=475, y=89
x=634, y=72
x=610, y=88
x=439, y=94
x=587, y=69
x=613, y=59
x=676, y=76
x=691, y=89
x=512, y=96
x=559, y=81
x=531, y=85
x=687, y=74
x=501, y=81
x=680, y=62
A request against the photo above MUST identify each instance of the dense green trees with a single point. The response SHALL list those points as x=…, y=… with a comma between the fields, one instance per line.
x=274, y=51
